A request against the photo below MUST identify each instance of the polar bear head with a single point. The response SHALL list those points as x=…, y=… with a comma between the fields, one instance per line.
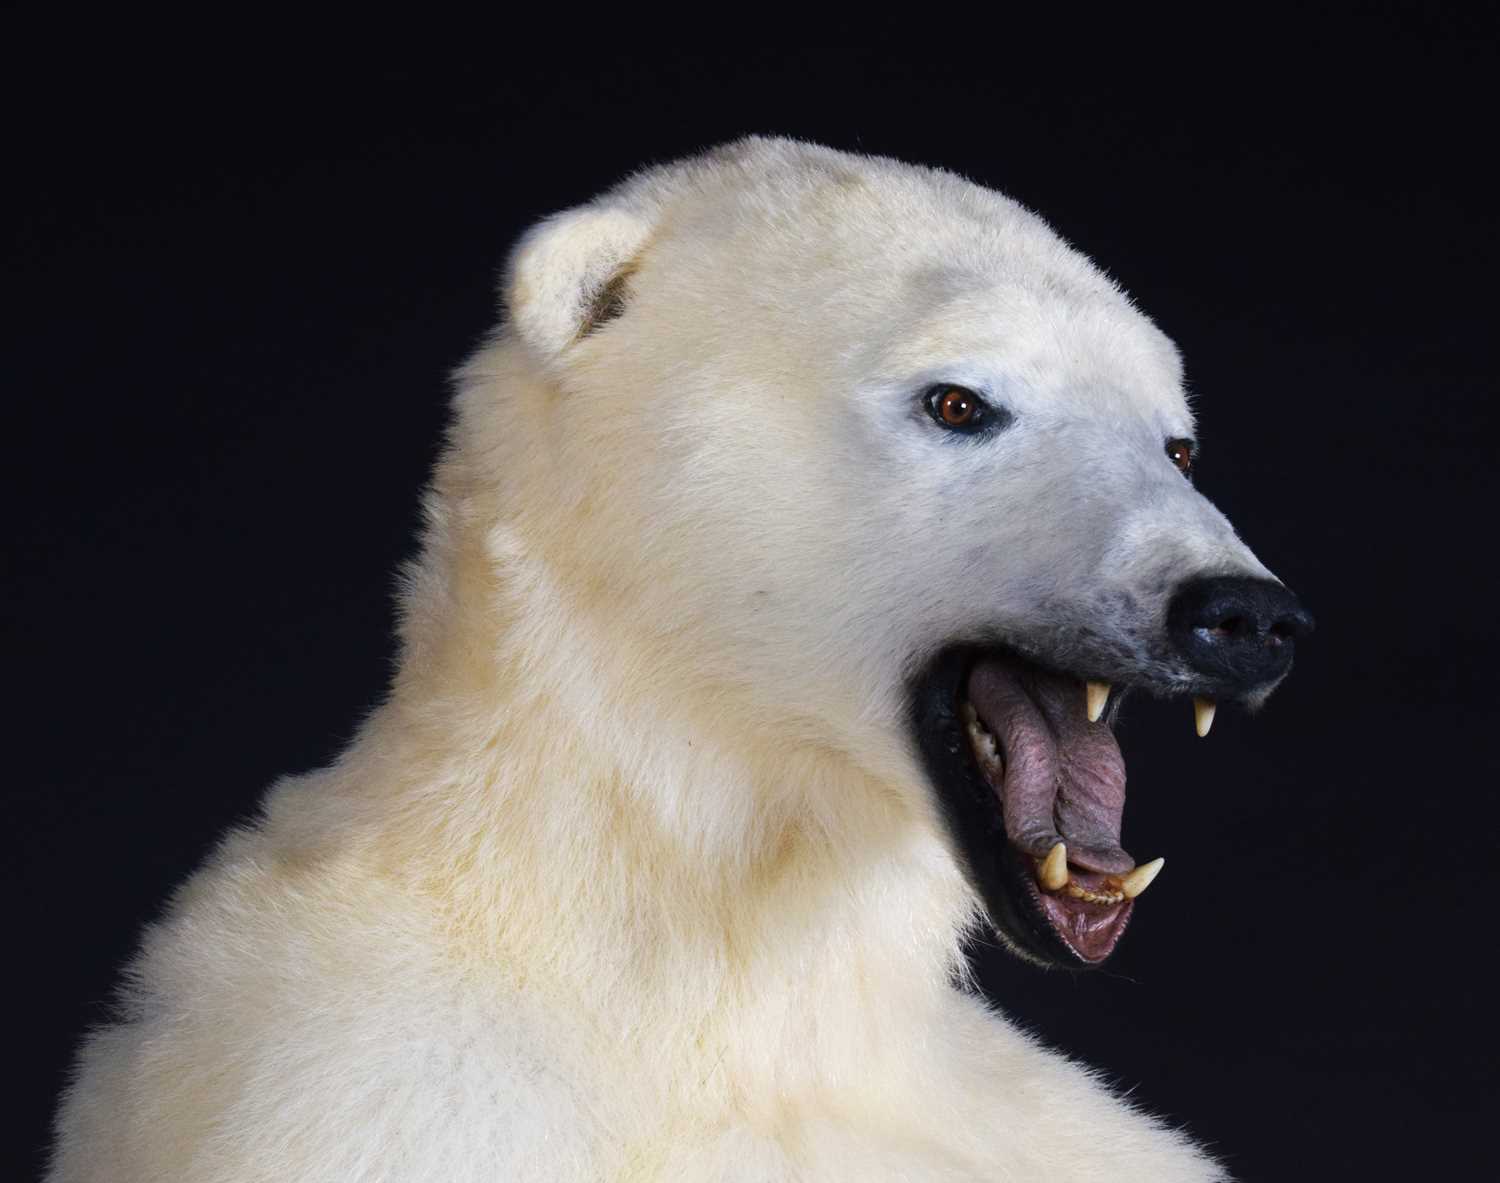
x=861, y=454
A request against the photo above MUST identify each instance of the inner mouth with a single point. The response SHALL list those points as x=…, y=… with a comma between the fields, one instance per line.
x=1033, y=782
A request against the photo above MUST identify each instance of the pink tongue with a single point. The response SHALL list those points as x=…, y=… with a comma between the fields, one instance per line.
x=1064, y=776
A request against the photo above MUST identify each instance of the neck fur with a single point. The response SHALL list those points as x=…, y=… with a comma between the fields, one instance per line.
x=615, y=843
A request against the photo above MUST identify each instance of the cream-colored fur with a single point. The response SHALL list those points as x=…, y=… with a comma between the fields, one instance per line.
x=635, y=875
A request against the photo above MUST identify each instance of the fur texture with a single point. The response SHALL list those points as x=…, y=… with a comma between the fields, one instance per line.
x=635, y=874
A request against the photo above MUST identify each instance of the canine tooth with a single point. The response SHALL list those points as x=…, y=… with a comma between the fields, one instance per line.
x=1203, y=715
x=970, y=715
x=1138, y=880
x=1053, y=873
x=1098, y=696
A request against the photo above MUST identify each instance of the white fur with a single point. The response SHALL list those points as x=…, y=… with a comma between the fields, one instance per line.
x=635, y=875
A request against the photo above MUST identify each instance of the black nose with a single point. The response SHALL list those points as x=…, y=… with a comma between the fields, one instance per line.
x=1239, y=633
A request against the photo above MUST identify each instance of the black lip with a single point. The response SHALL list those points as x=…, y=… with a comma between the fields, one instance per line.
x=994, y=868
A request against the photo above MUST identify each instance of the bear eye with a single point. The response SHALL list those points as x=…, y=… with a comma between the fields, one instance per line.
x=1180, y=453
x=958, y=408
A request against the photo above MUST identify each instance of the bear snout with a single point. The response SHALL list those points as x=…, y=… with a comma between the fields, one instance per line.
x=1238, y=633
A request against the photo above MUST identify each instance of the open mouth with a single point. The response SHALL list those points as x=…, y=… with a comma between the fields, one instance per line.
x=1032, y=781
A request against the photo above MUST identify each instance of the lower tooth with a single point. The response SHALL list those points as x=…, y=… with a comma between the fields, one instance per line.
x=1079, y=892
x=1052, y=872
x=1140, y=878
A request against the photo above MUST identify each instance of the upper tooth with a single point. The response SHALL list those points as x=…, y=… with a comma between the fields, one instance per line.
x=1203, y=715
x=1098, y=695
x=1138, y=880
x=983, y=744
x=1053, y=873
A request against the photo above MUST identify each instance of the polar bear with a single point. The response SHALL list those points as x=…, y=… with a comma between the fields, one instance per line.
x=798, y=535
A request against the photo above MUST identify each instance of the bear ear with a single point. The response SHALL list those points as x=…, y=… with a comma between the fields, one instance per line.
x=567, y=275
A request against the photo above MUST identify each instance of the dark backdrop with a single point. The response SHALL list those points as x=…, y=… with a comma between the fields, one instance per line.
x=235, y=289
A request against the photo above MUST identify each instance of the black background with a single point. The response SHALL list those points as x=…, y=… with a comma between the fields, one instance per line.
x=235, y=288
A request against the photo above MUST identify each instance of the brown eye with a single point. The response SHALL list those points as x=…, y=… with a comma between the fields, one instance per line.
x=953, y=406
x=956, y=406
x=1180, y=452
x=963, y=411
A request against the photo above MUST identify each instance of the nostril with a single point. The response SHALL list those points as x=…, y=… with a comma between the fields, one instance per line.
x=1230, y=627
x=1294, y=624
